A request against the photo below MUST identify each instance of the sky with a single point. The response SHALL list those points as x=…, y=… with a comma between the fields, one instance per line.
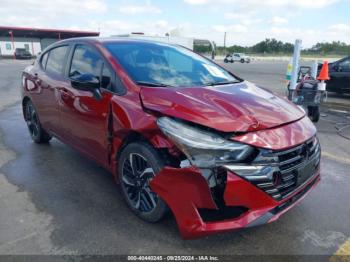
x=245, y=21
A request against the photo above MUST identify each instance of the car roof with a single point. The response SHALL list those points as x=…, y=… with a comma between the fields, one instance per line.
x=103, y=40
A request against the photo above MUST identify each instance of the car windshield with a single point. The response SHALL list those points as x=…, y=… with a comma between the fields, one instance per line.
x=157, y=64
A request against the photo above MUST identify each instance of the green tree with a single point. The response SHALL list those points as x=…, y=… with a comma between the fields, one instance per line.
x=273, y=46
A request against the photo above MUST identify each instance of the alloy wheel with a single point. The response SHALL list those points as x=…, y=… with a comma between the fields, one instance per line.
x=136, y=175
x=32, y=120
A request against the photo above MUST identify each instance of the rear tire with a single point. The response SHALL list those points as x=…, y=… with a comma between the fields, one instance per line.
x=138, y=165
x=225, y=60
x=37, y=133
x=242, y=61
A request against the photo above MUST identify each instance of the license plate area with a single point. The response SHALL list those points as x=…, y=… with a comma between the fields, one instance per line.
x=305, y=172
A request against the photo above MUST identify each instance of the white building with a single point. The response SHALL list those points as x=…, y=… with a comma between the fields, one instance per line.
x=33, y=40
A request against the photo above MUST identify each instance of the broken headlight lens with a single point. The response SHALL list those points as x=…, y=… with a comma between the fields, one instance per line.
x=203, y=148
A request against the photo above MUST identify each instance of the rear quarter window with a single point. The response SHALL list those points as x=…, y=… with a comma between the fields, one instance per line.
x=57, y=59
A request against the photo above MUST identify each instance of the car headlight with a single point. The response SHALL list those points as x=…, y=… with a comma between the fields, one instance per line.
x=203, y=148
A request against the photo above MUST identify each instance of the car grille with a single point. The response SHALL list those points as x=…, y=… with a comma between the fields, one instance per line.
x=295, y=167
x=293, y=199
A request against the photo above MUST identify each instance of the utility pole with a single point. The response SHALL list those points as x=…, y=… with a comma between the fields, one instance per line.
x=225, y=43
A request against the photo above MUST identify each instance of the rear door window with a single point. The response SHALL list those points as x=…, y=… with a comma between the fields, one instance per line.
x=57, y=60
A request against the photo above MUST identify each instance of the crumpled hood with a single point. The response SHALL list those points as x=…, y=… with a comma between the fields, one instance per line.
x=240, y=107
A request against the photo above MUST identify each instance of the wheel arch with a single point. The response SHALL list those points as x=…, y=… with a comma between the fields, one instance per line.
x=131, y=137
x=161, y=145
x=119, y=144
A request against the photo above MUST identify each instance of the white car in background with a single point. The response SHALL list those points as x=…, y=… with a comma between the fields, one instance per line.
x=237, y=57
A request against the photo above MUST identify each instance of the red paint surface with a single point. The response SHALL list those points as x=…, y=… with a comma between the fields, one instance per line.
x=281, y=137
x=185, y=190
x=232, y=108
x=78, y=119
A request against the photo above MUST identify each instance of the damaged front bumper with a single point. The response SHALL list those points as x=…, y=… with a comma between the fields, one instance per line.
x=188, y=195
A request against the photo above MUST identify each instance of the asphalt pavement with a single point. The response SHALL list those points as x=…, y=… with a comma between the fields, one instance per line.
x=271, y=75
x=53, y=200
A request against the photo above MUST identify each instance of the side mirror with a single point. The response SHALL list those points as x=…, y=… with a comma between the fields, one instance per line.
x=87, y=82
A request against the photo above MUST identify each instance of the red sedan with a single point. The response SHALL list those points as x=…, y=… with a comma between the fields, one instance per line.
x=177, y=131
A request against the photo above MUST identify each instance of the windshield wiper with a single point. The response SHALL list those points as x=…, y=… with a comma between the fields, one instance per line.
x=145, y=83
x=221, y=83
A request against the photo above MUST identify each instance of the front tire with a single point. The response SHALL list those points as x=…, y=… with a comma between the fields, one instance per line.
x=138, y=165
x=37, y=133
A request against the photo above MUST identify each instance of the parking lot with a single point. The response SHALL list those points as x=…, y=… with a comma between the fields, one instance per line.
x=55, y=201
x=271, y=74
